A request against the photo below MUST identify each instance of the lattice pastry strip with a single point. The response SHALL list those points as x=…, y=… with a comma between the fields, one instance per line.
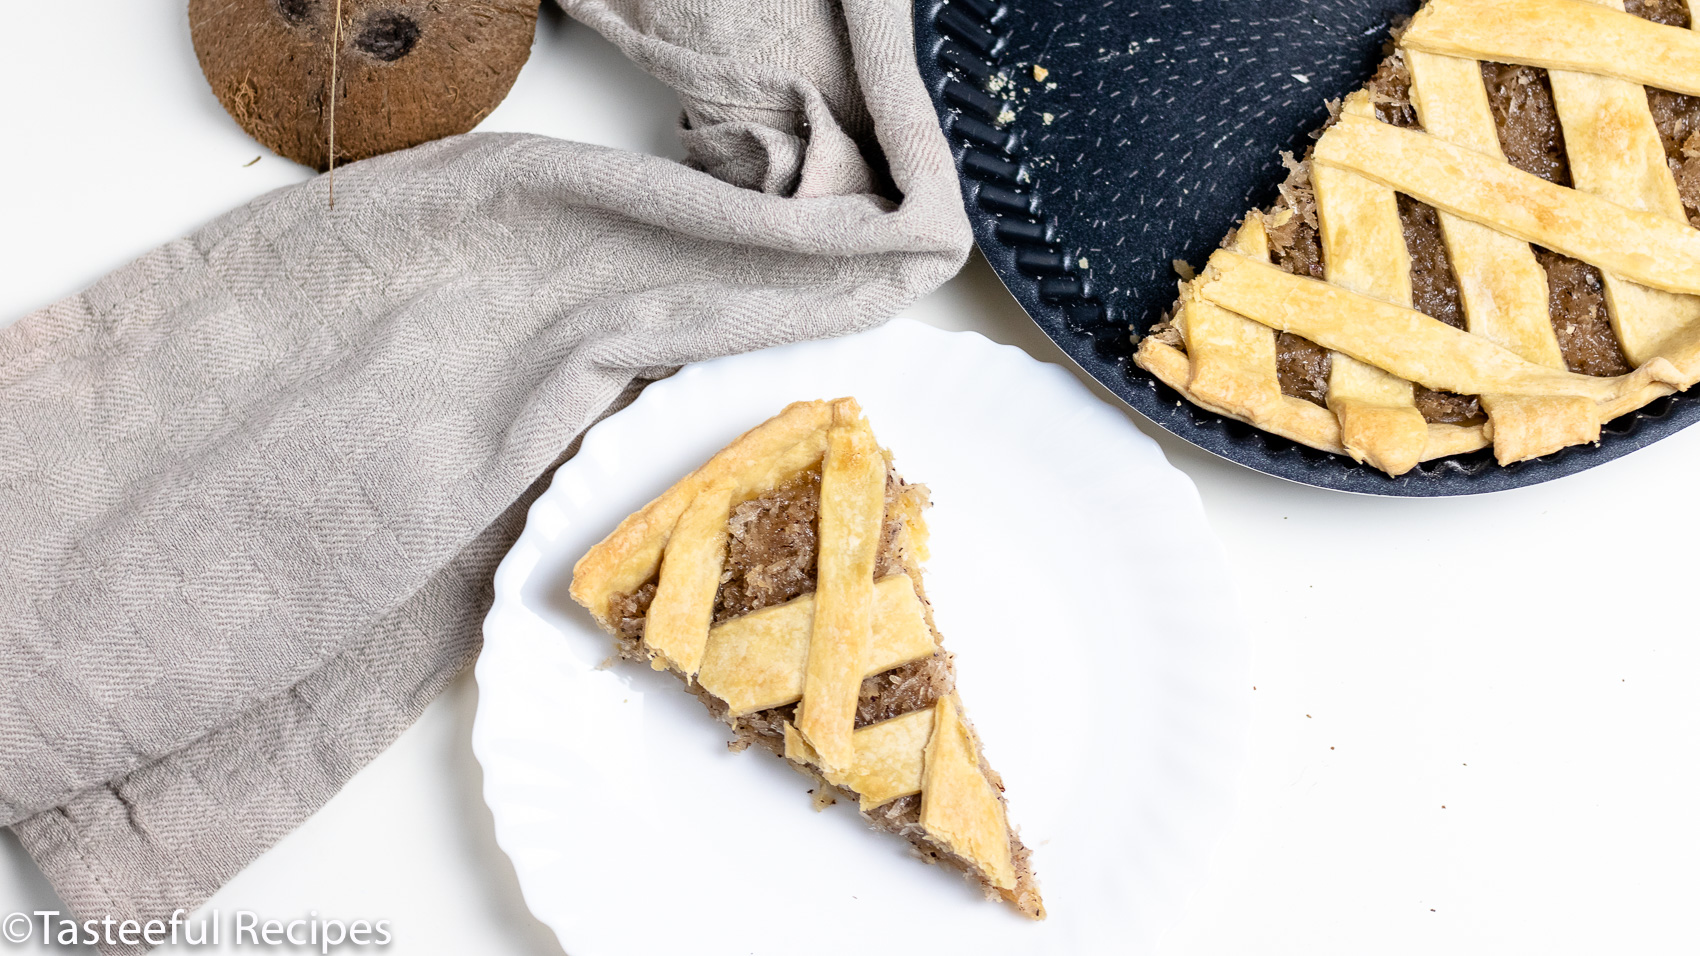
x=1575, y=35
x=1503, y=287
x=818, y=649
x=852, y=511
x=757, y=662
x=1624, y=216
x=1615, y=152
x=1233, y=358
x=1229, y=365
x=1363, y=247
x=932, y=753
x=1639, y=245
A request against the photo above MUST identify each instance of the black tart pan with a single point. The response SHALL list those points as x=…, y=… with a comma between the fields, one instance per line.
x=1164, y=125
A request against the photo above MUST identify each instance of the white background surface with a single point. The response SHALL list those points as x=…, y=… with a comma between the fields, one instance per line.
x=1475, y=720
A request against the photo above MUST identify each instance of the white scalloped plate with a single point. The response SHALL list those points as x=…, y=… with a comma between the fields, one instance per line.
x=1098, y=653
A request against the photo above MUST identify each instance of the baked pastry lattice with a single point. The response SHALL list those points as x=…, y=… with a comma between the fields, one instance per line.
x=781, y=581
x=1308, y=323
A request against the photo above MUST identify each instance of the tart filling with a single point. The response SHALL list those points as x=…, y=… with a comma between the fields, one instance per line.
x=1586, y=265
x=782, y=583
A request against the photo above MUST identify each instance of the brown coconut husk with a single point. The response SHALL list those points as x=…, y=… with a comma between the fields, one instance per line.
x=406, y=71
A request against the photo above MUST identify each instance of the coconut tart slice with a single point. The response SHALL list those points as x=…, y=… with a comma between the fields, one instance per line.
x=781, y=582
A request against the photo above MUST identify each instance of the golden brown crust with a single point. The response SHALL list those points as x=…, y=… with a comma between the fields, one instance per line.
x=959, y=806
x=1232, y=358
x=1402, y=341
x=1642, y=246
x=1294, y=418
x=1363, y=249
x=852, y=512
x=890, y=758
x=758, y=661
x=783, y=446
x=676, y=625
x=1560, y=35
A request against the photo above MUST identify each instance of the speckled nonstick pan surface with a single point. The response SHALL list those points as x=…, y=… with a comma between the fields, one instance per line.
x=1164, y=126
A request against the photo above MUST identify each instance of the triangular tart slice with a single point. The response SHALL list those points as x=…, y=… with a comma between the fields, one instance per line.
x=781, y=582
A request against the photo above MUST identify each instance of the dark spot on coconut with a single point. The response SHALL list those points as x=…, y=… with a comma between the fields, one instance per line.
x=387, y=35
x=295, y=11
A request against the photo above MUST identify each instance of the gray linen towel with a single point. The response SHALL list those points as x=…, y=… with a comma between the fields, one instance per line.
x=253, y=486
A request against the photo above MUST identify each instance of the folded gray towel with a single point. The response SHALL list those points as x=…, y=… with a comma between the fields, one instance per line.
x=254, y=485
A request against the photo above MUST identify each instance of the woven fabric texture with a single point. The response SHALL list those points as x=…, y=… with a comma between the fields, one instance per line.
x=254, y=485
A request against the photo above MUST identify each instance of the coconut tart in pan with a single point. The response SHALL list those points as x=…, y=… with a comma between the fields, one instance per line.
x=1492, y=244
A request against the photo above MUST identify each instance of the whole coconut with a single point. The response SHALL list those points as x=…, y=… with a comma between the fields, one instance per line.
x=407, y=71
